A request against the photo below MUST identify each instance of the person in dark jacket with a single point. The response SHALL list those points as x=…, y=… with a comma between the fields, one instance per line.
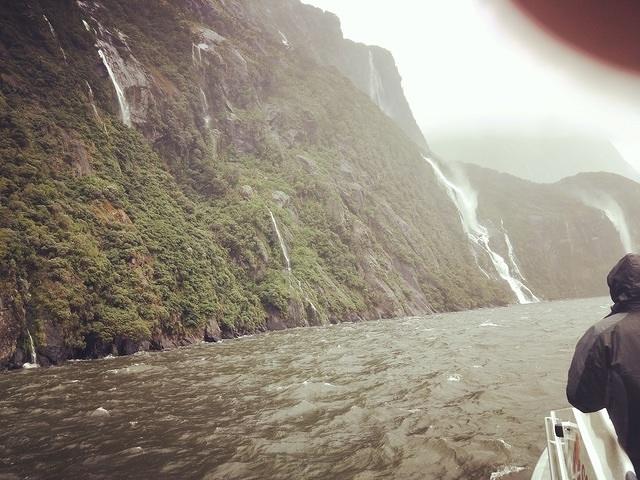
x=605, y=370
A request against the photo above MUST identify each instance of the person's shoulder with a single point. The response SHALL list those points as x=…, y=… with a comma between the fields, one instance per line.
x=607, y=324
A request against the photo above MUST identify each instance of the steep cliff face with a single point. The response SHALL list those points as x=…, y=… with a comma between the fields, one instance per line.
x=179, y=171
x=371, y=69
x=566, y=236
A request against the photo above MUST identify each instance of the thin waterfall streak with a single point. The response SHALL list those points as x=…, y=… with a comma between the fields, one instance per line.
x=205, y=108
x=55, y=37
x=511, y=252
x=283, y=247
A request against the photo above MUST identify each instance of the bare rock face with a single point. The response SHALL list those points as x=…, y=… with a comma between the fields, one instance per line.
x=9, y=332
x=53, y=351
x=212, y=331
x=281, y=198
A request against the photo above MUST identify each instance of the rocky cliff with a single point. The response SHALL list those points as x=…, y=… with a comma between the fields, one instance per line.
x=372, y=69
x=566, y=236
x=179, y=171
x=174, y=172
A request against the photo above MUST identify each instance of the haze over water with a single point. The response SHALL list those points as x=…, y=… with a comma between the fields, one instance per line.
x=448, y=396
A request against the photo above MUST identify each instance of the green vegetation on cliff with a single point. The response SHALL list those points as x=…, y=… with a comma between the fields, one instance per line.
x=113, y=236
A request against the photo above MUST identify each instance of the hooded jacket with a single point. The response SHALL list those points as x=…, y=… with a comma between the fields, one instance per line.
x=605, y=370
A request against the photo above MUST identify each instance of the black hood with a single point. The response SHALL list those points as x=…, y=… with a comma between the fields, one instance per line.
x=624, y=284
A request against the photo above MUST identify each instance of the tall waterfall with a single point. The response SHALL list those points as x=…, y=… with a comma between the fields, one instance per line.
x=32, y=353
x=205, y=108
x=466, y=202
x=283, y=247
x=612, y=210
x=376, y=88
x=125, y=111
x=512, y=255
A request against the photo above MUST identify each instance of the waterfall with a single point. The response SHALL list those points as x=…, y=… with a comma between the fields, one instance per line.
x=93, y=105
x=32, y=353
x=283, y=38
x=125, y=112
x=615, y=214
x=512, y=255
x=466, y=202
x=287, y=262
x=376, y=88
x=196, y=52
x=205, y=108
x=94, y=108
x=283, y=247
x=55, y=37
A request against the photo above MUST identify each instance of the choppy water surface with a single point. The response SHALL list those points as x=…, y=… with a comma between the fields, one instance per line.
x=451, y=396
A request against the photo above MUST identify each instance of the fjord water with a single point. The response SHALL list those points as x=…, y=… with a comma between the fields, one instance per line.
x=448, y=396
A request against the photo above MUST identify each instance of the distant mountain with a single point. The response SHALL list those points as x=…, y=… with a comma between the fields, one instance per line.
x=371, y=69
x=542, y=158
x=565, y=236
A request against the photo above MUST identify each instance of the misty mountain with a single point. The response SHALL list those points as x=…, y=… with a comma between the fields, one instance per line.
x=565, y=236
x=180, y=171
x=174, y=172
x=543, y=157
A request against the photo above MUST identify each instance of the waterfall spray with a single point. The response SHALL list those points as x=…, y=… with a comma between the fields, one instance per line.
x=466, y=203
x=613, y=211
x=376, y=88
x=32, y=353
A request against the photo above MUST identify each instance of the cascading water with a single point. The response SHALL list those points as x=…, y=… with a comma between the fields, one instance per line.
x=287, y=263
x=376, y=88
x=205, y=108
x=55, y=37
x=94, y=108
x=32, y=353
x=612, y=210
x=466, y=203
x=283, y=39
x=512, y=255
x=196, y=52
x=125, y=111
x=283, y=247
x=91, y=100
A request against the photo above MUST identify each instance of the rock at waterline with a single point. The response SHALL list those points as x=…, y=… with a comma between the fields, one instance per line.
x=100, y=412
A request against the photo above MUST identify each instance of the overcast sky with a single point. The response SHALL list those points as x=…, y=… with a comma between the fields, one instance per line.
x=478, y=64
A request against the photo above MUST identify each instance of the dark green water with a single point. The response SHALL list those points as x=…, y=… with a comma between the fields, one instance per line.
x=452, y=396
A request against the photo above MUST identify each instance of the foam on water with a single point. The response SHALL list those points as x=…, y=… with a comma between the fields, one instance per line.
x=504, y=471
x=378, y=406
